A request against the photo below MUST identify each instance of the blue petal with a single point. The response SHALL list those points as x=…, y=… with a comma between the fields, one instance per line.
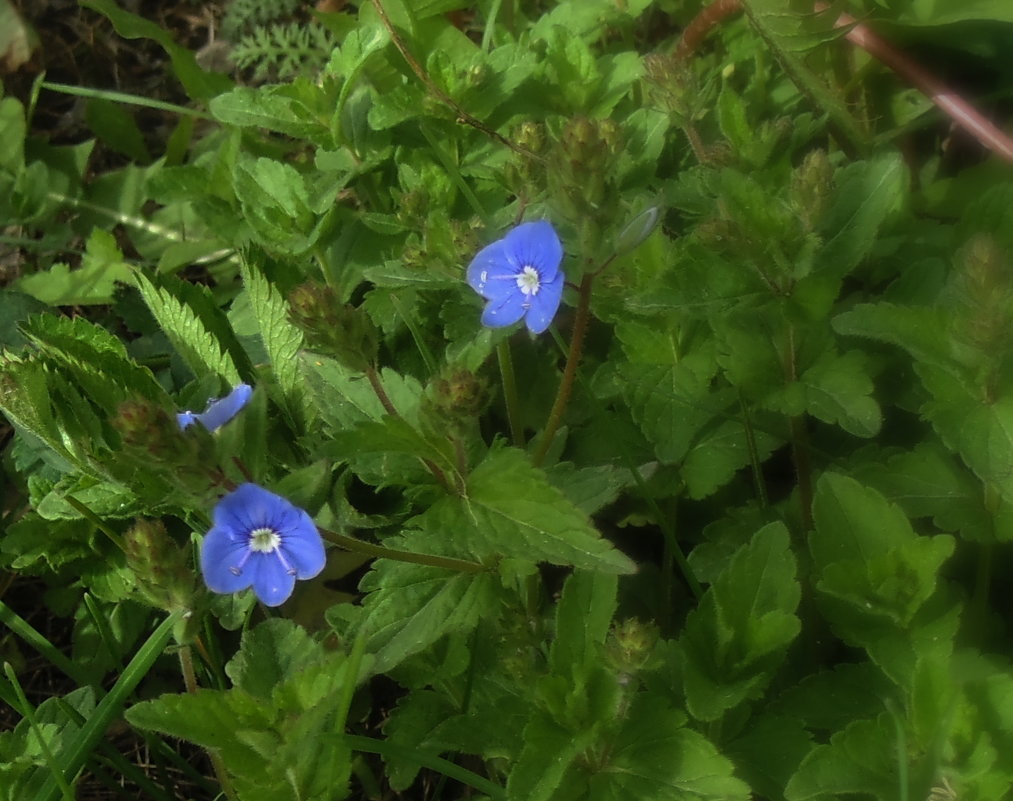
x=186, y=419
x=272, y=583
x=227, y=545
x=492, y=273
x=221, y=550
x=219, y=412
x=303, y=548
x=536, y=244
x=249, y=507
x=505, y=310
x=544, y=305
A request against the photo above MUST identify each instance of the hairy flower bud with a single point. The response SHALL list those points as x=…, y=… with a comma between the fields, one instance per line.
x=630, y=646
x=453, y=399
x=160, y=566
x=332, y=327
x=810, y=188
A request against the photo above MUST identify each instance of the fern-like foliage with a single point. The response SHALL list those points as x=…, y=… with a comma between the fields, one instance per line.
x=283, y=50
x=242, y=17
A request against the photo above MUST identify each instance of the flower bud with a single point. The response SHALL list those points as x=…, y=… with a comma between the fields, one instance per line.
x=454, y=398
x=160, y=566
x=810, y=188
x=630, y=646
x=334, y=328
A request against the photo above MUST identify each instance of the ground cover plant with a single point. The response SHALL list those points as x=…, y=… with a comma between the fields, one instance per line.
x=593, y=399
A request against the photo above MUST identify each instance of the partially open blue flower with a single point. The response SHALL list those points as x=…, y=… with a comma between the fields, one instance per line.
x=260, y=540
x=519, y=275
x=219, y=411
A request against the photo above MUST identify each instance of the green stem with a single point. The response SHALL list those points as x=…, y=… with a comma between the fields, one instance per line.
x=754, y=455
x=368, y=548
x=190, y=682
x=374, y=381
x=510, y=400
x=96, y=521
x=570, y=371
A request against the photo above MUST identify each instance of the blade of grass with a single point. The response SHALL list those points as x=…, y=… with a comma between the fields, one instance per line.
x=463, y=775
x=26, y=711
x=76, y=754
x=26, y=632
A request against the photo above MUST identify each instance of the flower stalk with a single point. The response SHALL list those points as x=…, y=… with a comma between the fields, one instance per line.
x=570, y=371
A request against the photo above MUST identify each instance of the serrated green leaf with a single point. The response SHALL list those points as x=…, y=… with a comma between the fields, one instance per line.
x=789, y=33
x=102, y=267
x=865, y=195
x=269, y=654
x=921, y=331
x=510, y=510
x=282, y=340
x=743, y=626
x=929, y=481
x=838, y=391
x=866, y=554
x=860, y=759
x=655, y=758
x=200, y=349
x=409, y=607
x=583, y=617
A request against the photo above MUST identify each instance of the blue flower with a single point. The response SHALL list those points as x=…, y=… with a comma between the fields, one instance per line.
x=260, y=540
x=220, y=411
x=519, y=275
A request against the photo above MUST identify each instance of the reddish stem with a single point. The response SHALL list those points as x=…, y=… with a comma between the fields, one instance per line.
x=949, y=101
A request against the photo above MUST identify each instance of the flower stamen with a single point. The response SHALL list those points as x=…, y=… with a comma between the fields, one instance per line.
x=529, y=281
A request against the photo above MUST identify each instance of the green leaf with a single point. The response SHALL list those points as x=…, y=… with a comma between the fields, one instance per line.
x=409, y=607
x=15, y=307
x=929, y=481
x=740, y=632
x=583, y=617
x=282, y=340
x=866, y=194
x=866, y=554
x=860, y=759
x=510, y=510
x=73, y=758
x=12, y=133
x=202, y=351
x=199, y=85
x=102, y=268
x=269, y=654
x=838, y=391
x=788, y=34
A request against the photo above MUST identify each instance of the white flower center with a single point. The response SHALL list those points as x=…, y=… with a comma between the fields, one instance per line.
x=529, y=281
x=264, y=540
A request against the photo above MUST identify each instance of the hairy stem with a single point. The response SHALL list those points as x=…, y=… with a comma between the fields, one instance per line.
x=374, y=381
x=368, y=548
x=190, y=682
x=570, y=371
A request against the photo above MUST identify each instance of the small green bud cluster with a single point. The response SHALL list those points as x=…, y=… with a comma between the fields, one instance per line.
x=454, y=399
x=334, y=328
x=160, y=566
x=630, y=647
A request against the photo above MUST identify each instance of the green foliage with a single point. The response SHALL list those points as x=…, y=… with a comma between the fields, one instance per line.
x=736, y=527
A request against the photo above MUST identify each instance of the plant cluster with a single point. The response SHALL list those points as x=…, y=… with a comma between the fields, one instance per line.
x=586, y=412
